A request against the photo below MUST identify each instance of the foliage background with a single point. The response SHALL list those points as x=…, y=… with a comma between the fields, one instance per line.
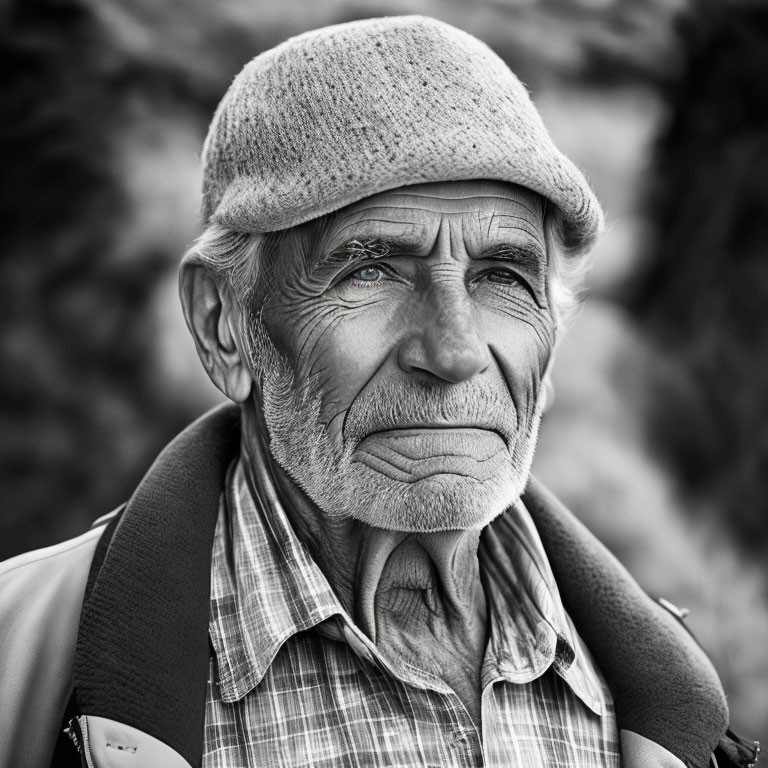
x=659, y=434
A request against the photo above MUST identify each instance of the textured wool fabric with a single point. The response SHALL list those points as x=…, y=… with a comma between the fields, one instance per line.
x=664, y=688
x=341, y=113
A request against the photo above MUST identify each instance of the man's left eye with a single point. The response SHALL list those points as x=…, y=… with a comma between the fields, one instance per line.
x=503, y=276
x=368, y=274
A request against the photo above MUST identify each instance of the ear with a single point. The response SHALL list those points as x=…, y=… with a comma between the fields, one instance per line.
x=213, y=313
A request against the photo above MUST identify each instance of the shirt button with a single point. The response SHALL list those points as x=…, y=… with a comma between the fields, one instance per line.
x=508, y=667
x=459, y=738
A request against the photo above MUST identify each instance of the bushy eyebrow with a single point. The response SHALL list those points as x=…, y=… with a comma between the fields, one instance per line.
x=364, y=249
x=529, y=256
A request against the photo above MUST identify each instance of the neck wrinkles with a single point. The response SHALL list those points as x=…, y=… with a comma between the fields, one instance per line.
x=383, y=579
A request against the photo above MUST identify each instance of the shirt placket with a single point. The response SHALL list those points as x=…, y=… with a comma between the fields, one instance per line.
x=455, y=741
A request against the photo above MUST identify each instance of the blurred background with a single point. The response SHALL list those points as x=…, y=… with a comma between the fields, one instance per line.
x=658, y=437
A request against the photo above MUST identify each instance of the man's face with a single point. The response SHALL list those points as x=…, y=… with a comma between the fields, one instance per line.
x=412, y=346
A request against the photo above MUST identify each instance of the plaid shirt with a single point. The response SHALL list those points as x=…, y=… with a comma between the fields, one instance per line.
x=293, y=681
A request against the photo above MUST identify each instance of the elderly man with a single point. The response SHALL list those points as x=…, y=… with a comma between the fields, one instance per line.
x=354, y=566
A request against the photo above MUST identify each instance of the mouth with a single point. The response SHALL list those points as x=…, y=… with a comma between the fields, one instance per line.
x=415, y=452
x=445, y=429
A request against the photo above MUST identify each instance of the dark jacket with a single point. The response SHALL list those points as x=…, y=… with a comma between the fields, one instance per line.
x=127, y=675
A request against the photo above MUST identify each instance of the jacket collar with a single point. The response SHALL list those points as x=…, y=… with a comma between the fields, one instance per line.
x=142, y=649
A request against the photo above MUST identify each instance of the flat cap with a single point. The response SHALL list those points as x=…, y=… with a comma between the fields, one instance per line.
x=341, y=113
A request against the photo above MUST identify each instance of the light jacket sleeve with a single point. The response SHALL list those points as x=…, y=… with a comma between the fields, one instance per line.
x=41, y=594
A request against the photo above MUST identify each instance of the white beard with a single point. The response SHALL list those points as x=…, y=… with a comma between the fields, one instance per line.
x=343, y=486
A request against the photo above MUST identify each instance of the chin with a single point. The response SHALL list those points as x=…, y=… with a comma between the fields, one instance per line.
x=440, y=502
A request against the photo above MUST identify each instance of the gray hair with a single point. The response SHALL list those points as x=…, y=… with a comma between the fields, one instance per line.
x=250, y=263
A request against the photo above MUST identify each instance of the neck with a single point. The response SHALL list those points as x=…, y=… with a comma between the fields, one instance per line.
x=418, y=596
x=379, y=576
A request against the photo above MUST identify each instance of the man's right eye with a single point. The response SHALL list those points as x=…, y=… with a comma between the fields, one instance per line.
x=368, y=275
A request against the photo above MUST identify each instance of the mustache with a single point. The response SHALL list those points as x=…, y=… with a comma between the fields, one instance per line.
x=398, y=406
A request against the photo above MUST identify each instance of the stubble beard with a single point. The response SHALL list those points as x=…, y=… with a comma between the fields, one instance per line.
x=344, y=487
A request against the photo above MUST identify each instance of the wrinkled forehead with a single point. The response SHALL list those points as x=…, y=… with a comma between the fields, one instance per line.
x=483, y=209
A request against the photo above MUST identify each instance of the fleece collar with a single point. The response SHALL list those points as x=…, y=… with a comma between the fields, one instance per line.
x=142, y=650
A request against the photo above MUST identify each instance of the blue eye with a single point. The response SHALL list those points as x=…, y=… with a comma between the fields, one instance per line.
x=368, y=274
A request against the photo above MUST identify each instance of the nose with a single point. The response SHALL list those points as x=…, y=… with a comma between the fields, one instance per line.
x=445, y=342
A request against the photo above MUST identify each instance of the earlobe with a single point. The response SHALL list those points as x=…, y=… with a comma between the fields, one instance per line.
x=238, y=380
x=547, y=387
x=211, y=311
x=546, y=394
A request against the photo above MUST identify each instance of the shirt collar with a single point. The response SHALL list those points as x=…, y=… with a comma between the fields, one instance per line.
x=265, y=588
x=530, y=629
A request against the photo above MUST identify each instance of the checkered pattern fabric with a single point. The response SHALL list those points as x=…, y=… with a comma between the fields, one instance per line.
x=294, y=682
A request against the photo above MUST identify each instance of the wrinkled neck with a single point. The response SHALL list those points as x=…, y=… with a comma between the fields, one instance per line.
x=402, y=576
x=383, y=579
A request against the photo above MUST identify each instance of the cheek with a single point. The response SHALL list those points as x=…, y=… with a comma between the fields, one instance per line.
x=340, y=346
x=522, y=343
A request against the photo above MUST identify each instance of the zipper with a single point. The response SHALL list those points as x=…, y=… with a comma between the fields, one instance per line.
x=77, y=731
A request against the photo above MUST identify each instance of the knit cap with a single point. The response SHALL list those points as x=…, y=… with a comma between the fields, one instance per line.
x=342, y=113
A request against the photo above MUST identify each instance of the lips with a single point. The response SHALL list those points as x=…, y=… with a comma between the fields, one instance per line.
x=412, y=452
x=436, y=432
x=430, y=410
x=425, y=430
